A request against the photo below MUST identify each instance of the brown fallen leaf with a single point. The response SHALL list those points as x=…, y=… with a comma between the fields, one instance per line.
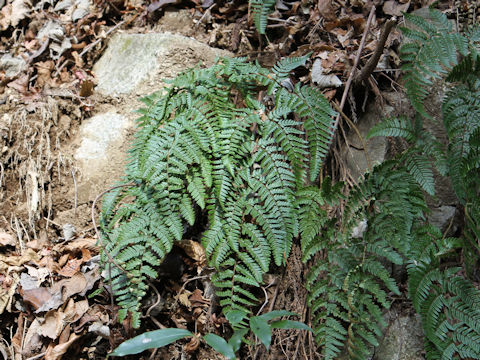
x=53, y=324
x=192, y=345
x=6, y=239
x=79, y=244
x=183, y=299
x=44, y=72
x=19, y=334
x=8, y=261
x=36, y=297
x=39, y=243
x=45, y=299
x=56, y=320
x=72, y=286
x=197, y=299
x=55, y=352
x=71, y=268
x=86, y=255
x=63, y=260
x=326, y=10
x=8, y=289
x=32, y=341
x=193, y=249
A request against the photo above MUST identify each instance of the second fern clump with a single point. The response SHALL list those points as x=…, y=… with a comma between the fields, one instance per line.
x=209, y=147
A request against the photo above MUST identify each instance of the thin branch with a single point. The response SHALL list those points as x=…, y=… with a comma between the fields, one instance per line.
x=91, y=45
x=373, y=61
x=355, y=63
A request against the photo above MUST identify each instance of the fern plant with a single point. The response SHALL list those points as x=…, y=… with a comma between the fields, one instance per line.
x=208, y=147
x=350, y=287
x=444, y=297
x=349, y=284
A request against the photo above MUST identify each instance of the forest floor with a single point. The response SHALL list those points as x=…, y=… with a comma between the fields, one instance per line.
x=49, y=303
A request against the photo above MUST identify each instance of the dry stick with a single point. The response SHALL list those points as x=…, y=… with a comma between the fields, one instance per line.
x=373, y=61
x=76, y=190
x=159, y=298
x=89, y=46
x=100, y=241
x=38, y=356
x=354, y=68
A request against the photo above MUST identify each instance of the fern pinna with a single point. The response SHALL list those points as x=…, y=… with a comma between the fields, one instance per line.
x=208, y=146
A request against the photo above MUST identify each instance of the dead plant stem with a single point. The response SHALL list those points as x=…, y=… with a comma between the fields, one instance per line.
x=373, y=61
x=355, y=63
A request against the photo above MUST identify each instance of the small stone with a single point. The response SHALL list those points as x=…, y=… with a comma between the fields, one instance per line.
x=12, y=66
x=99, y=329
x=68, y=231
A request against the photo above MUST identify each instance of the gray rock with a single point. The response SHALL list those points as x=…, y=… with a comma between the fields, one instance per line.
x=98, y=133
x=101, y=155
x=133, y=58
x=354, y=154
x=12, y=66
x=442, y=216
x=403, y=338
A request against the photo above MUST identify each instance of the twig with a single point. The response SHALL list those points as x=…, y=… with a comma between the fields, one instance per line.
x=205, y=14
x=373, y=61
x=152, y=355
x=75, y=188
x=52, y=222
x=355, y=63
x=264, y=303
x=90, y=46
x=38, y=356
x=159, y=298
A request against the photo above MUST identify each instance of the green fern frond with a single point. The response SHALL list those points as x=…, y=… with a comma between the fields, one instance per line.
x=260, y=10
x=282, y=68
x=461, y=109
x=319, y=122
x=420, y=167
x=431, y=53
x=349, y=288
x=395, y=127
